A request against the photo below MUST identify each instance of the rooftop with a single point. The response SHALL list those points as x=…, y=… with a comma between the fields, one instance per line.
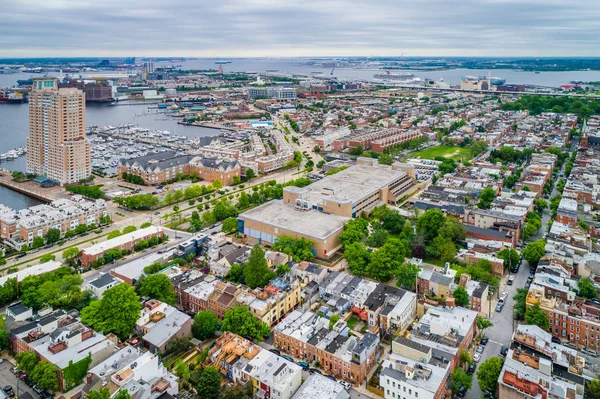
x=310, y=223
x=320, y=387
x=101, y=247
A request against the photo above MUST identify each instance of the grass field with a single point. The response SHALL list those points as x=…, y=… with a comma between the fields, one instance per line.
x=446, y=151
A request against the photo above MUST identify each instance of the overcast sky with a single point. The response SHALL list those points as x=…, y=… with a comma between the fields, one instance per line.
x=287, y=28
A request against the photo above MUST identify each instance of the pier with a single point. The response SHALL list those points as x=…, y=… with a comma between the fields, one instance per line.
x=211, y=126
x=18, y=187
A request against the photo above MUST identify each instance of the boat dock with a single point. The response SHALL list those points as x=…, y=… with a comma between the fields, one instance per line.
x=212, y=126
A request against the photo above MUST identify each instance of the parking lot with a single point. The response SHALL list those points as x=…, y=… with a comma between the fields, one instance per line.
x=8, y=378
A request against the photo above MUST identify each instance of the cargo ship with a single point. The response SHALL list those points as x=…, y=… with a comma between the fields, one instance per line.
x=222, y=62
x=12, y=98
x=394, y=76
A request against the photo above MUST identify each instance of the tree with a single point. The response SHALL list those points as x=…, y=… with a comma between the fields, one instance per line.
x=486, y=197
x=586, y=288
x=446, y=250
x=519, y=303
x=52, y=236
x=358, y=150
x=113, y=234
x=209, y=383
x=534, y=251
x=429, y=224
x=592, y=388
x=250, y=174
x=81, y=228
x=332, y=320
x=205, y=325
x=354, y=231
x=510, y=256
x=230, y=225
x=407, y=276
x=535, y=315
x=145, y=224
x=256, y=271
x=47, y=258
x=129, y=229
x=217, y=184
x=453, y=229
x=483, y=323
x=377, y=238
x=299, y=249
x=182, y=370
x=116, y=312
x=386, y=261
x=240, y=321
x=488, y=373
x=102, y=393
x=464, y=357
x=358, y=258
x=122, y=394
x=386, y=159
x=3, y=333
x=38, y=242
x=235, y=392
x=461, y=296
x=45, y=375
x=540, y=204
x=160, y=287
x=70, y=253
x=460, y=379
x=26, y=361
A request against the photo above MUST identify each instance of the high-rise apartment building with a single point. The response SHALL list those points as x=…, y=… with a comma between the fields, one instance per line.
x=57, y=147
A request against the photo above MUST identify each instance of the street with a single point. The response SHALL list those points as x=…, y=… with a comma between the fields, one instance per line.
x=8, y=378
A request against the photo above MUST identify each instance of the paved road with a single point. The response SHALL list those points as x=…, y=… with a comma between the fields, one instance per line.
x=501, y=333
x=8, y=378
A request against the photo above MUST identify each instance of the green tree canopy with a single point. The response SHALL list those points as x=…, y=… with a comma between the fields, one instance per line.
x=230, y=225
x=209, y=383
x=52, y=236
x=430, y=223
x=205, y=325
x=299, y=249
x=358, y=258
x=510, y=256
x=386, y=261
x=535, y=315
x=407, y=276
x=240, y=321
x=586, y=288
x=256, y=271
x=70, y=253
x=519, y=303
x=453, y=229
x=102, y=393
x=488, y=373
x=534, y=251
x=483, y=323
x=45, y=375
x=486, y=197
x=160, y=287
x=460, y=379
x=26, y=361
x=38, y=242
x=129, y=229
x=461, y=296
x=116, y=312
x=354, y=230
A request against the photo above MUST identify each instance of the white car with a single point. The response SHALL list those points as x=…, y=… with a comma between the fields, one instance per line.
x=346, y=384
x=504, y=295
x=476, y=357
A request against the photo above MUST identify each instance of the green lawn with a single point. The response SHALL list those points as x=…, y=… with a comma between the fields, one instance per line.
x=446, y=151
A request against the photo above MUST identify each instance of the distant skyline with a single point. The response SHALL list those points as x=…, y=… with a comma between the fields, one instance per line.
x=299, y=28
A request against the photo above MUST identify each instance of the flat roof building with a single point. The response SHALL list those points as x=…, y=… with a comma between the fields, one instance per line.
x=318, y=211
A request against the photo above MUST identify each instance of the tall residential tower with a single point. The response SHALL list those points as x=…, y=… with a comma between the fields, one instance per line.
x=57, y=147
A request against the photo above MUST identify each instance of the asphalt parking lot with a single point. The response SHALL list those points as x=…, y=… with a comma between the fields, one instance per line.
x=8, y=378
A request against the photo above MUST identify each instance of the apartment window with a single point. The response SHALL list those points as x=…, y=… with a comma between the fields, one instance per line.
x=416, y=394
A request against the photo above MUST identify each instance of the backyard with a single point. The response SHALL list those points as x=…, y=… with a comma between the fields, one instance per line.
x=445, y=151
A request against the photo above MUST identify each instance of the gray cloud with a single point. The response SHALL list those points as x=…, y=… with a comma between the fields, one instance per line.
x=244, y=28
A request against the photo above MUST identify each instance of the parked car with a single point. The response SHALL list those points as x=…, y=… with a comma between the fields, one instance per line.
x=312, y=371
x=484, y=341
x=304, y=365
x=476, y=357
x=37, y=389
x=504, y=295
x=503, y=351
x=7, y=388
x=556, y=340
x=471, y=369
x=592, y=353
x=488, y=394
x=480, y=349
x=332, y=378
x=511, y=279
x=462, y=391
x=286, y=357
x=45, y=395
x=346, y=384
x=48, y=246
x=570, y=345
x=275, y=351
x=15, y=369
x=499, y=307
